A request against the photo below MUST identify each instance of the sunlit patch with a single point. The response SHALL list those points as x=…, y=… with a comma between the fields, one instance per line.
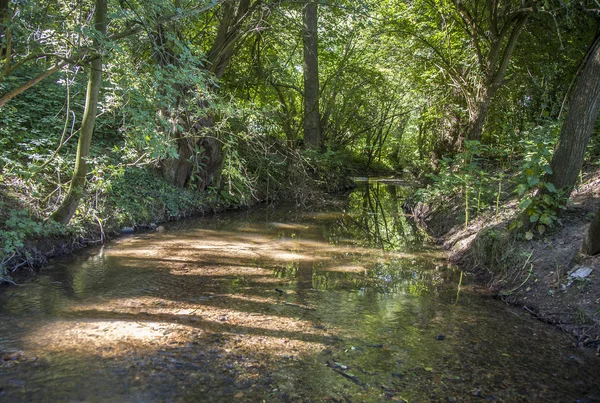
x=90, y=335
x=275, y=346
x=282, y=225
x=220, y=270
x=228, y=312
x=346, y=268
x=139, y=324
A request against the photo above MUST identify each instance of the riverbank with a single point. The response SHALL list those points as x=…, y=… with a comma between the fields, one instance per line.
x=548, y=276
x=138, y=200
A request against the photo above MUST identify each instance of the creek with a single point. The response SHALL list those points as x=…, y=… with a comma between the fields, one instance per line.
x=345, y=303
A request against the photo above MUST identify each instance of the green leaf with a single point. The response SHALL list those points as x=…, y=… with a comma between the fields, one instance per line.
x=529, y=235
x=532, y=180
x=541, y=229
x=525, y=203
x=550, y=187
x=548, y=200
x=547, y=169
x=546, y=219
x=534, y=218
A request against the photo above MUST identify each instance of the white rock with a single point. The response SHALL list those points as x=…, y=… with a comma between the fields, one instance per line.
x=580, y=272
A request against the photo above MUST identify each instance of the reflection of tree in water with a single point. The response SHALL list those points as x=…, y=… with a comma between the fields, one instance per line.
x=375, y=219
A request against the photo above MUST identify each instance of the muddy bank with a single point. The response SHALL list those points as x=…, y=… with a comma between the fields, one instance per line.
x=538, y=275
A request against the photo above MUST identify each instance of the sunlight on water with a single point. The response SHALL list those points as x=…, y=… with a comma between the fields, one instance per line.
x=278, y=304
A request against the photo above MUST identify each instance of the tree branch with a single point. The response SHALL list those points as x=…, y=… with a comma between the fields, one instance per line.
x=173, y=17
x=13, y=93
x=472, y=31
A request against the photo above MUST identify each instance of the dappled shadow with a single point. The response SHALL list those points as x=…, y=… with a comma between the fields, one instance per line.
x=335, y=305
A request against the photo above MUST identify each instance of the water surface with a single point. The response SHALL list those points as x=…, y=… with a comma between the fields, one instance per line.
x=348, y=303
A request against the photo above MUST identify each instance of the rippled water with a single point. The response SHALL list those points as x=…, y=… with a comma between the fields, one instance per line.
x=279, y=304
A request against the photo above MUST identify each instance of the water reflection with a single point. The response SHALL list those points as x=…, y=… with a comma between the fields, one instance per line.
x=277, y=305
x=376, y=219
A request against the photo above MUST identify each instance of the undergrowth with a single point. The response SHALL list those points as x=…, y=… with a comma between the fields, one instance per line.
x=496, y=250
x=483, y=178
x=138, y=197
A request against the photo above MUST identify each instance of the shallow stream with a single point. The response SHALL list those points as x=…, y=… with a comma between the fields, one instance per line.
x=348, y=303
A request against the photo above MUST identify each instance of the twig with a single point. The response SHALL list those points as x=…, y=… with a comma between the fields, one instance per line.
x=24, y=262
x=308, y=308
x=350, y=377
x=8, y=280
x=65, y=127
x=101, y=229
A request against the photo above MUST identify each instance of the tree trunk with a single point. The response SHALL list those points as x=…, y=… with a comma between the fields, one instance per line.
x=578, y=125
x=477, y=116
x=66, y=210
x=312, y=119
x=179, y=171
x=591, y=245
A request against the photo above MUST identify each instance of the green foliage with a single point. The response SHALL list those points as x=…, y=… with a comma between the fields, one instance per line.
x=140, y=196
x=539, y=200
x=468, y=177
x=31, y=124
x=19, y=226
x=331, y=169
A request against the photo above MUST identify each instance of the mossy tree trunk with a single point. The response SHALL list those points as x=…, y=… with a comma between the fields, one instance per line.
x=591, y=245
x=578, y=125
x=67, y=208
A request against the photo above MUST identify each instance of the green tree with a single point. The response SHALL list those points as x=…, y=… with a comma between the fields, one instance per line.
x=233, y=28
x=493, y=32
x=462, y=52
x=67, y=208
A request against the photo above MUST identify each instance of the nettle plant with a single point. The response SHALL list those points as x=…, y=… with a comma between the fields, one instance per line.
x=468, y=176
x=539, y=200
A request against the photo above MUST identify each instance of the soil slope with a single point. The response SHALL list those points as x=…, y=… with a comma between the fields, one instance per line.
x=534, y=275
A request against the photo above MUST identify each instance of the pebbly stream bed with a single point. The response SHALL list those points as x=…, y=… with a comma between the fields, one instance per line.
x=279, y=304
